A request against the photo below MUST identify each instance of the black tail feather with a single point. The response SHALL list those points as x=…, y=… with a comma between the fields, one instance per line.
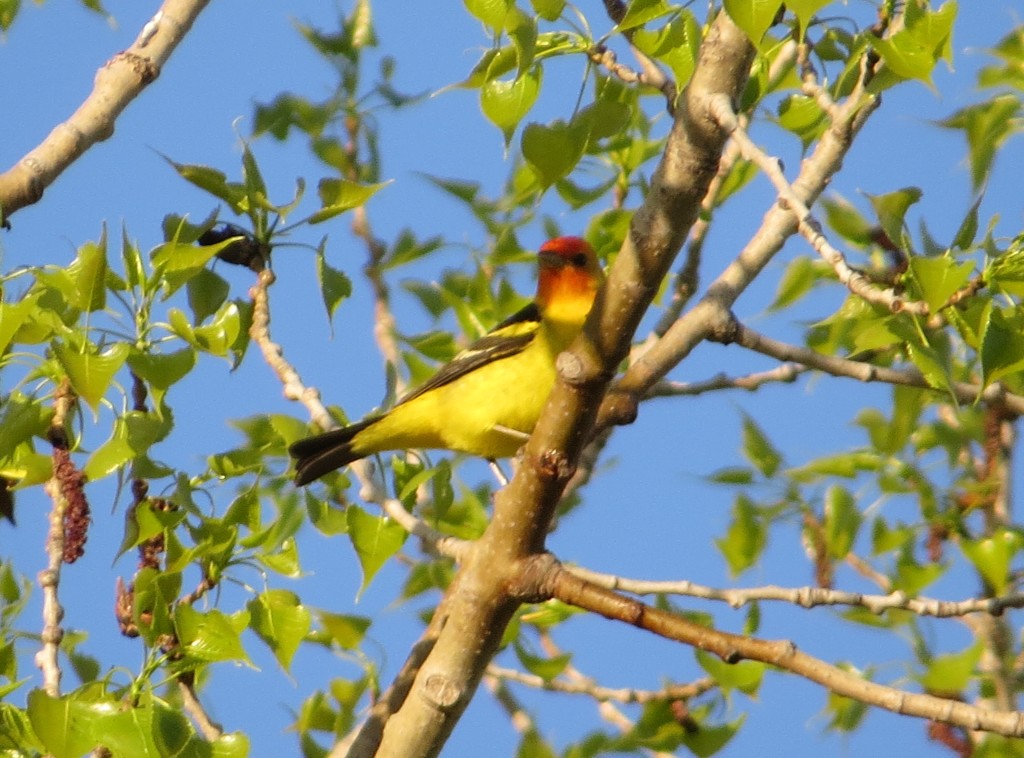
x=319, y=455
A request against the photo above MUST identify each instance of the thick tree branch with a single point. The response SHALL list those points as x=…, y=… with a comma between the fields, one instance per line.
x=485, y=593
x=118, y=83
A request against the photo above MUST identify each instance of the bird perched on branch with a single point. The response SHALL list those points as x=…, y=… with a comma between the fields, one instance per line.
x=487, y=400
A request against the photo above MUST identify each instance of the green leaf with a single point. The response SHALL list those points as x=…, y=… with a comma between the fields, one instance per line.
x=676, y=45
x=968, y=227
x=89, y=272
x=65, y=725
x=506, y=102
x=214, y=182
x=374, y=538
x=640, y=12
x=207, y=292
x=109, y=456
x=847, y=221
x=746, y=537
x=744, y=676
x=14, y=315
x=347, y=631
x=801, y=115
x=891, y=210
x=758, y=449
x=16, y=731
x=932, y=364
x=490, y=12
x=89, y=372
x=522, y=30
x=926, y=38
x=797, y=280
x=334, y=285
x=546, y=668
x=846, y=714
x=732, y=475
x=553, y=151
x=912, y=577
x=753, y=16
x=986, y=125
x=280, y=620
x=131, y=732
x=255, y=187
x=949, y=675
x=939, y=278
x=842, y=521
x=217, y=337
x=177, y=262
x=21, y=417
x=8, y=11
x=549, y=10
x=211, y=635
x=1002, y=345
x=992, y=555
x=533, y=745
x=162, y=369
x=804, y=10
x=340, y=195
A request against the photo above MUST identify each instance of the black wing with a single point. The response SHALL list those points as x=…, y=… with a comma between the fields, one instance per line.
x=508, y=338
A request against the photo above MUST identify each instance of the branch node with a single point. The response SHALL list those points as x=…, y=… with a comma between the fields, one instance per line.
x=554, y=464
x=724, y=327
x=441, y=692
x=570, y=367
x=144, y=68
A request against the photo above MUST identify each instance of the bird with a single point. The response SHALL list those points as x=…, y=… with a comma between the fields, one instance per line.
x=488, y=398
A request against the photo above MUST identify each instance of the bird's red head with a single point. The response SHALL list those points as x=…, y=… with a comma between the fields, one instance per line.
x=569, y=274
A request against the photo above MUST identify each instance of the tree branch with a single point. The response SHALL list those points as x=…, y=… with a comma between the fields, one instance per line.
x=597, y=692
x=486, y=591
x=965, y=392
x=733, y=648
x=807, y=224
x=119, y=82
x=785, y=373
x=49, y=578
x=805, y=597
x=711, y=313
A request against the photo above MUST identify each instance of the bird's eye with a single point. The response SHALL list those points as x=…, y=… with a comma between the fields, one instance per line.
x=579, y=260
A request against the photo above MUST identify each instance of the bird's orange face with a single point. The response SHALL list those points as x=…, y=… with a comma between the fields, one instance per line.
x=569, y=273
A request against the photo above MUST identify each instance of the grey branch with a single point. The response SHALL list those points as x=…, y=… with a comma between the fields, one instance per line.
x=117, y=84
x=806, y=597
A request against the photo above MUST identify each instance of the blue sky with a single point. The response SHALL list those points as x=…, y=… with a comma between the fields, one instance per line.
x=649, y=515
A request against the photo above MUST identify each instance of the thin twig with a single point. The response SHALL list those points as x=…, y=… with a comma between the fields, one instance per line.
x=49, y=578
x=965, y=392
x=295, y=389
x=784, y=373
x=597, y=692
x=805, y=597
x=807, y=224
x=209, y=728
x=783, y=654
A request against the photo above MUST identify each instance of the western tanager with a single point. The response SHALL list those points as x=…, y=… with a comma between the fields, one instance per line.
x=487, y=400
